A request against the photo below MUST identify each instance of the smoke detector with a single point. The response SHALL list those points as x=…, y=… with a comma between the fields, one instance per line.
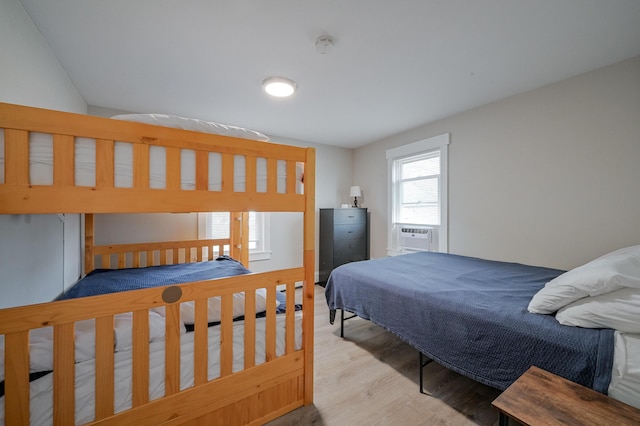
x=325, y=44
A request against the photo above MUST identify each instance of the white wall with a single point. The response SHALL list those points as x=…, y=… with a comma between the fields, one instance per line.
x=548, y=177
x=39, y=254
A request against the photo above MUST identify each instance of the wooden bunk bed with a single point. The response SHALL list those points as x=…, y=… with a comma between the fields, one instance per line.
x=258, y=391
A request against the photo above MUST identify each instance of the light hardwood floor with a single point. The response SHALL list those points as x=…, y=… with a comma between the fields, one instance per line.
x=371, y=378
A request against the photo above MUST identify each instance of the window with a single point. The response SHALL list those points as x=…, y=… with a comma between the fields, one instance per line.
x=418, y=190
x=216, y=225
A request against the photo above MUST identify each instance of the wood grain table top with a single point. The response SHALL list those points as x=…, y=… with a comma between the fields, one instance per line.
x=542, y=398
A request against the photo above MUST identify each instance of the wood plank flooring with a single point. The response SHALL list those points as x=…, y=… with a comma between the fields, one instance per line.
x=371, y=378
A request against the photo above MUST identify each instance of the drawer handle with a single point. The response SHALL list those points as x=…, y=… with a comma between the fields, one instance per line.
x=350, y=216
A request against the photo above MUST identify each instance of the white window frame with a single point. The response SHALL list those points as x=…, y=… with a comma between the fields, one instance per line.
x=441, y=143
x=262, y=228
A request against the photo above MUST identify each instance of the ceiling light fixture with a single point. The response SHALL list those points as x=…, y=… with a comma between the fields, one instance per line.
x=280, y=87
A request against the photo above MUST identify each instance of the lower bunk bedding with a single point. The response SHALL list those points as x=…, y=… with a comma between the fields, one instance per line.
x=42, y=388
x=471, y=316
x=105, y=281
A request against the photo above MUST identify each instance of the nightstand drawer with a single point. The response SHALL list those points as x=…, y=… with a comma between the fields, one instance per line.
x=346, y=216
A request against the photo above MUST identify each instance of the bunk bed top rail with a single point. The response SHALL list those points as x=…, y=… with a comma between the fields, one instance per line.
x=231, y=181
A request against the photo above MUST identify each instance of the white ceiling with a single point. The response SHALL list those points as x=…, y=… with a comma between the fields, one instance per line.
x=396, y=64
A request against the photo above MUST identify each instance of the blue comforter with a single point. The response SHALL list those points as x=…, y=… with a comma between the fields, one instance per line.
x=470, y=315
x=104, y=281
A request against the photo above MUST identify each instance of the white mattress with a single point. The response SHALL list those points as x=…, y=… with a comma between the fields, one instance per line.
x=41, y=396
x=41, y=166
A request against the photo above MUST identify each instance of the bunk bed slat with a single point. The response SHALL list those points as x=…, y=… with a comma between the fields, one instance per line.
x=290, y=320
x=226, y=335
x=227, y=173
x=272, y=175
x=63, y=374
x=291, y=177
x=173, y=168
x=250, y=331
x=172, y=349
x=104, y=367
x=105, y=163
x=16, y=378
x=200, y=344
x=270, y=327
x=16, y=165
x=250, y=173
x=140, y=380
x=202, y=170
x=140, y=166
x=63, y=160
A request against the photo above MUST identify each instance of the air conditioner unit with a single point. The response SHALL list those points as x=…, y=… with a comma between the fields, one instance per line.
x=415, y=239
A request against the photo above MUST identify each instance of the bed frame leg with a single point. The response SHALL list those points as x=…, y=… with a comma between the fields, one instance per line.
x=343, y=319
x=423, y=362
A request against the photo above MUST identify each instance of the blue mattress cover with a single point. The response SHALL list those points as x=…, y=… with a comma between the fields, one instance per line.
x=470, y=315
x=104, y=281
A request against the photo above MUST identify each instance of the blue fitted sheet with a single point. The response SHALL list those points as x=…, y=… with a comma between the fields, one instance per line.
x=470, y=315
x=105, y=281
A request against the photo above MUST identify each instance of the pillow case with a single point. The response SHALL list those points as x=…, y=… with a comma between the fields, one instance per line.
x=193, y=124
x=619, y=310
x=613, y=271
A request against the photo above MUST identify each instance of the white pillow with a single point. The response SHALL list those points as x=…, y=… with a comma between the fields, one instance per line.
x=193, y=124
x=605, y=274
x=619, y=310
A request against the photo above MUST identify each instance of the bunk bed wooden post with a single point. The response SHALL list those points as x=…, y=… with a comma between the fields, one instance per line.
x=89, y=242
x=309, y=267
x=239, y=230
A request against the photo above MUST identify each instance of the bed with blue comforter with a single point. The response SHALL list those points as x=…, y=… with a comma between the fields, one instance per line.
x=470, y=315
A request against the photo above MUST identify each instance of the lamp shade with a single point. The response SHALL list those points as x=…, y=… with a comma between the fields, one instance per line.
x=355, y=191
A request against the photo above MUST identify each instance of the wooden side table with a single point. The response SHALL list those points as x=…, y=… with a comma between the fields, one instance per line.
x=542, y=398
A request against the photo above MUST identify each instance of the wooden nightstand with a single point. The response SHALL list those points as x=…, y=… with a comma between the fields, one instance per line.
x=542, y=398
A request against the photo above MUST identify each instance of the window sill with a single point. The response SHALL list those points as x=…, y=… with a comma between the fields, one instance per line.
x=259, y=255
